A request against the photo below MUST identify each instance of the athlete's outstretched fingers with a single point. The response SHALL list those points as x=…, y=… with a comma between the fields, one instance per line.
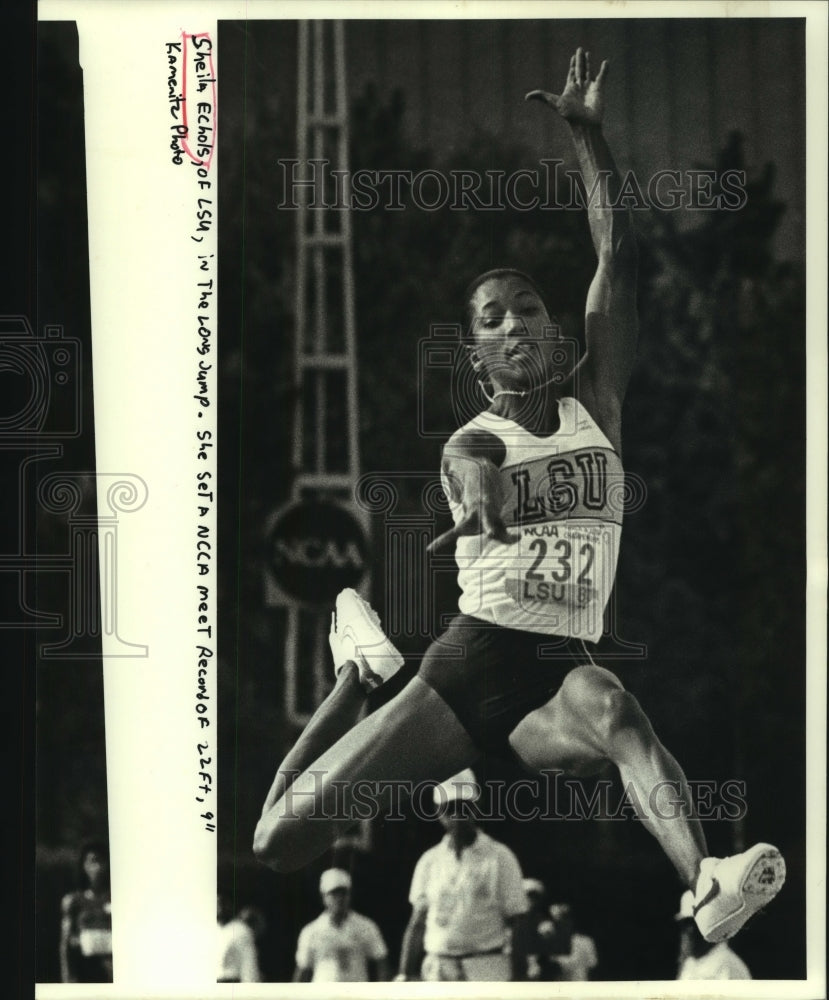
x=543, y=95
x=443, y=540
x=501, y=534
x=470, y=524
x=495, y=528
x=492, y=527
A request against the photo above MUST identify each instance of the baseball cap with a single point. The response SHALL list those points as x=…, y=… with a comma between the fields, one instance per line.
x=686, y=906
x=461, y=787
x=334, y=878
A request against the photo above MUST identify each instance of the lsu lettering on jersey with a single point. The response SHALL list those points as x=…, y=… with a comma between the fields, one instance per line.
x=563, y=494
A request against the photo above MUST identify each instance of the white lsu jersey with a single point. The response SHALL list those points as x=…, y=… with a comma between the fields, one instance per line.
x=564, y=495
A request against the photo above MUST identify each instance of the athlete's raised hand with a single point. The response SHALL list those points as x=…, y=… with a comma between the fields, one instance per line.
x=474, y=483
x=582, y=100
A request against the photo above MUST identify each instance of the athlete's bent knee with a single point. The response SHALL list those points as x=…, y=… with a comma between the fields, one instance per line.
x=263, y=845
x=271, y=846
x=621, y=714
x=585, y=686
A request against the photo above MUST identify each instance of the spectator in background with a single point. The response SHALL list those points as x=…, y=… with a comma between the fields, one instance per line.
x=236, y=952
x=574, y=954
x=254, y=918
x=338, y=946
x=697, y=958
x=467, y=899
x=86, y=922
x=540, y=966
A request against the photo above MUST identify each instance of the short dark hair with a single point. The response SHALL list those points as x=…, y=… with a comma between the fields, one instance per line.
x=475, y=284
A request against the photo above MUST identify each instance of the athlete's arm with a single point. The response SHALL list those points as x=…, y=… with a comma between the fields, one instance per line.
x=611, y=325
x=304, y=958
x=66, y=922
x=376, y=952
x=519, y=928
x=248, y=959
x=411, y=949
x=469, y=470
x=302, y=975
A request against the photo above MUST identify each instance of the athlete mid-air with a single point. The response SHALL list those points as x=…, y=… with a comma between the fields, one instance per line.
x=533, y=486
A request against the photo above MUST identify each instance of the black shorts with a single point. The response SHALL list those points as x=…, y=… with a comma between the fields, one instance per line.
x=492, y=677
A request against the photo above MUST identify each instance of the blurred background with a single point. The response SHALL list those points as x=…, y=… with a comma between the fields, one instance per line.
x=712, y=567
x=712, y=570
x=69, y=742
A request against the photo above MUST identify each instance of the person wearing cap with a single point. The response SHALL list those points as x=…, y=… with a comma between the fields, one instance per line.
x=467, y=900
x=338, y=946
x=237, y=957
x=697, y=958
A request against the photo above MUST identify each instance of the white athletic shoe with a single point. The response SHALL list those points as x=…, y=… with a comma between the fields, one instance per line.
x=730, y=890
x=356, y=635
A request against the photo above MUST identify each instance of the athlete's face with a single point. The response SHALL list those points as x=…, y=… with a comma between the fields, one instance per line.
x=457, y=821
x=94, y=867
x=337, y=902
x=513, y=335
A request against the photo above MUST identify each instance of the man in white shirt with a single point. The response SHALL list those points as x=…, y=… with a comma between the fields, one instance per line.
x=467, y=898
x=237, y=957
x=697, y=958
x=338, y=946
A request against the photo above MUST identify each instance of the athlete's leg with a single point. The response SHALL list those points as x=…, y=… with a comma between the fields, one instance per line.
x=339, y=772
x=413, y=738
x=355, y=635
x=593, y=719
x=363, y=658
x=339, y=712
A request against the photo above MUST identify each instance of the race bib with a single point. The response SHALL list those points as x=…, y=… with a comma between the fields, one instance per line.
x=562, y=573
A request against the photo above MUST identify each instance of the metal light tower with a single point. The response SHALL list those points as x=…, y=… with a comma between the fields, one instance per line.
x=325, y=457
